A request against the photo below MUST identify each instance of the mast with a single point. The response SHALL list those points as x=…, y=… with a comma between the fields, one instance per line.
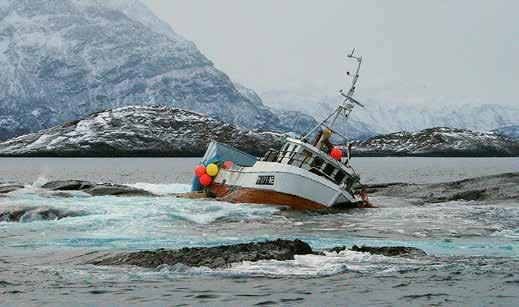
x=344, y=108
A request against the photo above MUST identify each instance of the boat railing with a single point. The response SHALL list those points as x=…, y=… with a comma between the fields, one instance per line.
x=313, y=163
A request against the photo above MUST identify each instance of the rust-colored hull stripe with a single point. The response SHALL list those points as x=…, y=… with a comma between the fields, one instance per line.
x=260, y=196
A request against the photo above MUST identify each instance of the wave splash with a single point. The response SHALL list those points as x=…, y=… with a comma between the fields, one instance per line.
x=32, y=214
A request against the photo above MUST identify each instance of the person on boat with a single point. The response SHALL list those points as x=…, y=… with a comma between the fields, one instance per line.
x=322, y=141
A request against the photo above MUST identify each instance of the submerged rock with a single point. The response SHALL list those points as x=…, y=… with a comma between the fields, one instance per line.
x=116, y=190
x=9, y=187
x=68, y=185
x=489, y=188
x=28, y=214
x=95, y=189
x=389, y=251
x=212, y=257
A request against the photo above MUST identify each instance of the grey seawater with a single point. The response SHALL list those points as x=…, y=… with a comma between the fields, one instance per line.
x=473, y=247
x=179, y=170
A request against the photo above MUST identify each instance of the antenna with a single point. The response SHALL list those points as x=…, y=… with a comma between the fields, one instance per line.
x=346, y=106
x=349, y=95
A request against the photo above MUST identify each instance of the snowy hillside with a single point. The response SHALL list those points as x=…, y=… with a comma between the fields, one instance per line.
x=439, y=142
x=138, y=131
x=64, y=59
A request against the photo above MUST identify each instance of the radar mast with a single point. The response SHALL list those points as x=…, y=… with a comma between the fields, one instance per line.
x=344, y=108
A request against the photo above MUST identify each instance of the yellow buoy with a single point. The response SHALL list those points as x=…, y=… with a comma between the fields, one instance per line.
x=212, y=169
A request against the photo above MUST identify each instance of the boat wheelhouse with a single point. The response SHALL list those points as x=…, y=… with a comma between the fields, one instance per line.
x=306, y=156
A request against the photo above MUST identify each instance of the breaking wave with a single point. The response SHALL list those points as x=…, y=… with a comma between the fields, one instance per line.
x=32, y=214
x=162, y=189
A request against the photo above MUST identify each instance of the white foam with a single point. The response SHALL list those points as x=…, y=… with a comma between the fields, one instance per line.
x=507, y=233
x=322, y=265
x=40, y=182
x=209, y=211
x=162, y=189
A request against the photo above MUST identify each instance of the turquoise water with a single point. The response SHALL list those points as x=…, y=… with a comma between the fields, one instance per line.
x=473, y=247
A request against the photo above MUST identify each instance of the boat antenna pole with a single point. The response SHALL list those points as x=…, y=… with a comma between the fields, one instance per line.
x=347, y=105
x=349, y=102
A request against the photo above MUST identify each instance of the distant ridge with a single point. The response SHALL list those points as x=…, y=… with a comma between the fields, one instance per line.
x=510, y=131
x=138, y=131
x=439, y=142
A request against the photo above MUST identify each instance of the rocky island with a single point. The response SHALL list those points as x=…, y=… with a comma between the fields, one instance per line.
x=138, y=131
x=439, y=142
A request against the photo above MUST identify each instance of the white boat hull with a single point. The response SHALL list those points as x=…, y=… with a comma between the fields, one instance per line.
x=278, y=184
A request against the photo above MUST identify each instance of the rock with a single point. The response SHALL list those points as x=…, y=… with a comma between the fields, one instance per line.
x=212, y=257
x=28, y=214
x=139, y=131
x=390, y=251
x=490, y=188
x=9, y=187
x=116, y=190
x=439, y=142
x=68, y=185
x=224, y=256
x=336, y=249
x=95, y=189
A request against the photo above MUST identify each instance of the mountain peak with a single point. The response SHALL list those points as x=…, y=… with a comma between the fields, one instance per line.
x=63, y=59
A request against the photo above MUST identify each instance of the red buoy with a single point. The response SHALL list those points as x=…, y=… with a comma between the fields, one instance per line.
x=336, y=153
x=199, y=170
x=206, y=180
x=227, y=164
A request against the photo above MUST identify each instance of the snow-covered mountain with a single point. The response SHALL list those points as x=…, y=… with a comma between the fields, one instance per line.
x=138, y=131
x=62, y=59
x=382, y=118
x=439, y=142
x=510, y=131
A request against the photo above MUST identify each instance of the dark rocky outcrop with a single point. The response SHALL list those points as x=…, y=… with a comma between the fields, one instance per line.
x=27, y=214
x=9, y=187
x=224, y=256
x=439, y=142
x=95, y=189
x=68, y=185
x=495, y=187
x=212, y=257
x=389, y=251
x=116, y=190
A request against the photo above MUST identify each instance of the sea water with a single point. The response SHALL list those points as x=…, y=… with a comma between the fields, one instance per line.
x=473, y=247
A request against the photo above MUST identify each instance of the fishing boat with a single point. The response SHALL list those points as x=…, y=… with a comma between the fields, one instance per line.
x=306, y=173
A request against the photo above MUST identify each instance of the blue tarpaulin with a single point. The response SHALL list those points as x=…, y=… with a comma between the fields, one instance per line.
x=219, y=152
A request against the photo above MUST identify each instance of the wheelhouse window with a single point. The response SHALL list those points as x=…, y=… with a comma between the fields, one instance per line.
x=317, y=162
x=328, y=169
x=339, y=177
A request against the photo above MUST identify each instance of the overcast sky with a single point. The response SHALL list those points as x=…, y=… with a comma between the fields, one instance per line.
x=414, y=51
